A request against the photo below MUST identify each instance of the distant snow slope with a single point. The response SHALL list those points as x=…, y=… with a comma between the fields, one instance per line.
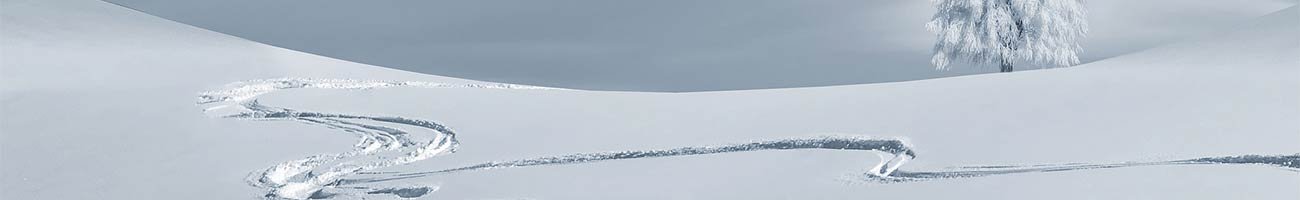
x=98, y=103
x=665, y=45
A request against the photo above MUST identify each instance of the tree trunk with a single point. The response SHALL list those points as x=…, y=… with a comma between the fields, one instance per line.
x=1012, y=39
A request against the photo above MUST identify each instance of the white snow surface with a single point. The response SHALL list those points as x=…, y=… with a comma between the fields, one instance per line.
x=99, y=102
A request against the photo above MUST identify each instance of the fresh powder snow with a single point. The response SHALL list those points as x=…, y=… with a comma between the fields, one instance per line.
x=102, y=102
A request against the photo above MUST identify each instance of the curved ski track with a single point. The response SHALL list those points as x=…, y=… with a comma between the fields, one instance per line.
x=383, y=144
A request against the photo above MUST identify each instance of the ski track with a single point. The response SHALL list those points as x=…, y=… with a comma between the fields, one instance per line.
x=380, y=145
x=1289, y=162
x=898, y=151
x=383, y=145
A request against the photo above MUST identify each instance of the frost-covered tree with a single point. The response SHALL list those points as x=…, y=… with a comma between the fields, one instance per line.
x=1008, y=32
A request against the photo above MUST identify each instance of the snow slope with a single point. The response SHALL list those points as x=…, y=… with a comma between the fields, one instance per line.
x=666, y=45
x=1185, y=101
x=98, y=102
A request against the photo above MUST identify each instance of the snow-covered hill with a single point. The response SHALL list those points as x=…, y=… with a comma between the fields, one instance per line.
x=665, y=45
x=99, y=103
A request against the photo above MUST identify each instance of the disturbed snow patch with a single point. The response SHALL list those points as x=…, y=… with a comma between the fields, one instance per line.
x=382, y=143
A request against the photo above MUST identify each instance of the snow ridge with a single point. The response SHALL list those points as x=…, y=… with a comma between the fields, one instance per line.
x=245, y=90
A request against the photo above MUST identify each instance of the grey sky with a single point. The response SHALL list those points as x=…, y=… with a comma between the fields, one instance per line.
x=664, y=45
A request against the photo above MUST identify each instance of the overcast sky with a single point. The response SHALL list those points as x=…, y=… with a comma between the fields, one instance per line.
x=661, y=45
